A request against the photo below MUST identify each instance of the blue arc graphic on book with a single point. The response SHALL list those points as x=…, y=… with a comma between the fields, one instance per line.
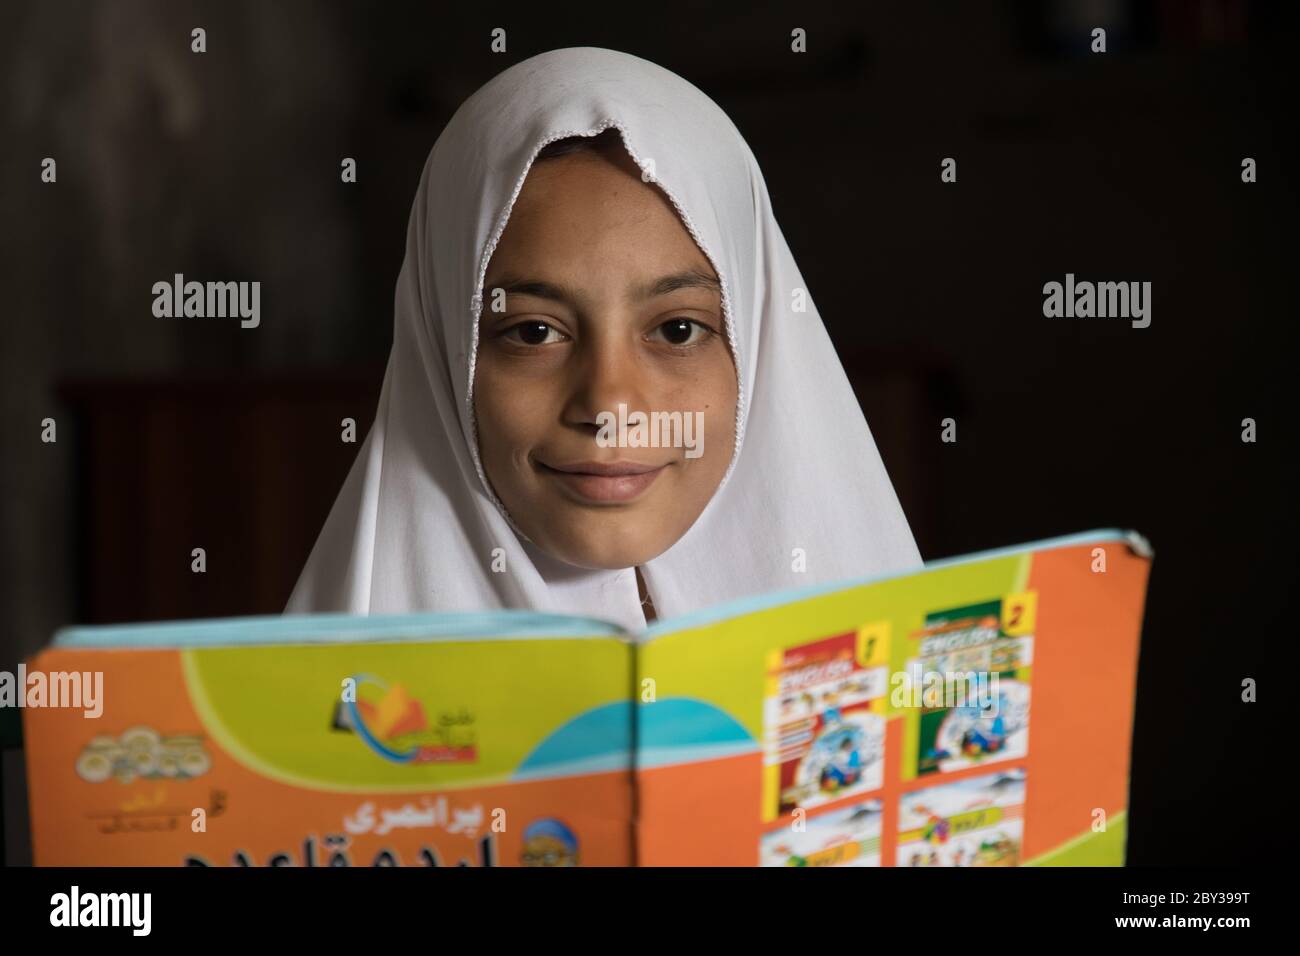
x=675, y=730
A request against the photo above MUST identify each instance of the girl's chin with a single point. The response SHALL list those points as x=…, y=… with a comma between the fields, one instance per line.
x=599, y=556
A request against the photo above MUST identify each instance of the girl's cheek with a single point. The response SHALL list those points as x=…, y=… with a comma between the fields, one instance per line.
x=708, y=385
x=518, y=361
x=521, y=410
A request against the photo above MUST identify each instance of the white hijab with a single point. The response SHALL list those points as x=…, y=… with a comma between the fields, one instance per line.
x=416, y=524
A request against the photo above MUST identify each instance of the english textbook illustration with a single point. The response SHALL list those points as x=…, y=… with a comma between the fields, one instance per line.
x=977, y=712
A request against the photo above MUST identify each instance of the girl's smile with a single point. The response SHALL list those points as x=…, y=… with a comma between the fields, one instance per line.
x=599, y=483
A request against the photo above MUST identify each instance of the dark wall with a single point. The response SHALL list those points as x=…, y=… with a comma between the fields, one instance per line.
x=1122, y=166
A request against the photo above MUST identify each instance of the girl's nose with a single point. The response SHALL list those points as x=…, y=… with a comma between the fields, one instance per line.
x=607, y=374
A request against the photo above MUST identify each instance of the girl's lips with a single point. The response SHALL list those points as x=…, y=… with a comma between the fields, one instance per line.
x=603, y=482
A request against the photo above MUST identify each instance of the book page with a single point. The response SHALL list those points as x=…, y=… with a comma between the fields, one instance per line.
x=977, y=713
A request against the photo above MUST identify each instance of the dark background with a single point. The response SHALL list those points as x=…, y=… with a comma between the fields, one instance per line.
x=175, y=434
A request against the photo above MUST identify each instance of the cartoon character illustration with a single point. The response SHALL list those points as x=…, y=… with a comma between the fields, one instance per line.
x=844, y=768
x=831, y=716
x=985, y=737
x=976, y=733
x=997, y=850
x=548, y=842
x=849, y=836
x=845, y=756
x=791, y=857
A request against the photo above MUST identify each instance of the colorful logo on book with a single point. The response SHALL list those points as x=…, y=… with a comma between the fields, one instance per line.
x=396, y=726
x=936, y=830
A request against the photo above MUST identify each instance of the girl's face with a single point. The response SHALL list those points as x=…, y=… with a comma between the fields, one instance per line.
x=605, y=301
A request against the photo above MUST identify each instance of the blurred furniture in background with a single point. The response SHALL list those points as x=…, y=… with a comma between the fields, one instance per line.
x=246, y=469
x=905, y=394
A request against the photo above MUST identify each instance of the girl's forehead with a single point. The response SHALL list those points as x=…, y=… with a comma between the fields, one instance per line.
x=586, y=192
x=590, y=220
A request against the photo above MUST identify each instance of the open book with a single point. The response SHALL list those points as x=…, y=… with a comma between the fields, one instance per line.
x=975, y=713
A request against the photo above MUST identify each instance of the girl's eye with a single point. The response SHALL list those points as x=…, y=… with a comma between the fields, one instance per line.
x=534, y=333
x=682, y=331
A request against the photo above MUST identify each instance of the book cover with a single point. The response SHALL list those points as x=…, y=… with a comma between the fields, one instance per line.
x=977, y=712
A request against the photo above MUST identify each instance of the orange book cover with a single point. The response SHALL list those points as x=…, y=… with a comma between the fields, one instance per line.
x=975, y=713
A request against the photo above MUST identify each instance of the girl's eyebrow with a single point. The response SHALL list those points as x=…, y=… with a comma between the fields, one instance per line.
x=534, y=287
x=687, y=279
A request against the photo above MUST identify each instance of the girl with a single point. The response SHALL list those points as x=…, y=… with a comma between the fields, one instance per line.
x=601, y=399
